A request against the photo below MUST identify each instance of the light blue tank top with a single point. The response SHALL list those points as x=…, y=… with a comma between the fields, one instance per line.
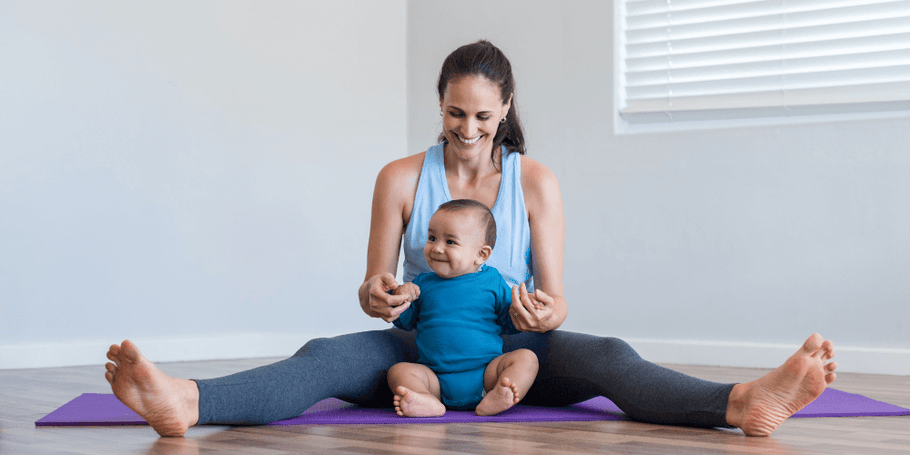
x=512, y=252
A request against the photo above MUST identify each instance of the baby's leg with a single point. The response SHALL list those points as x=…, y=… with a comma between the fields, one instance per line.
x=416, y=389
x=507, y=380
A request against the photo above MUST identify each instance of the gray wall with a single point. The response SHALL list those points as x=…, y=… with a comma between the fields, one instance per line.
x=727, y=245
x=193, y=175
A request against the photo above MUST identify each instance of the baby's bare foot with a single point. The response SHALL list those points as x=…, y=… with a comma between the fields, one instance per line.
x=409, y=403
x=758, y=407
x=168, y=404
x=503, y=396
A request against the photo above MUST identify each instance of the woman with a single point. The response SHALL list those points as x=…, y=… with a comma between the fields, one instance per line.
x=480, y=156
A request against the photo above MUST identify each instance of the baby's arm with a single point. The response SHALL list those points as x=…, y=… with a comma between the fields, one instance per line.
x=407, y=320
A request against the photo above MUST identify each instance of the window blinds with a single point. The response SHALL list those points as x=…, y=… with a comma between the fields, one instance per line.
x=691, y=60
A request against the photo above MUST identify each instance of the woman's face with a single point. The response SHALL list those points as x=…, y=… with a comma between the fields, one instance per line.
x=471, y=111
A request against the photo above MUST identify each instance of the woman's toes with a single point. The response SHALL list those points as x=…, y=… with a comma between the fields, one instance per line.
x=110, y=373
x=129, y=352
x=813, y=343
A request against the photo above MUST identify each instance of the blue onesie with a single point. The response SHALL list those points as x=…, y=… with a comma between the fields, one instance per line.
x=458, y=322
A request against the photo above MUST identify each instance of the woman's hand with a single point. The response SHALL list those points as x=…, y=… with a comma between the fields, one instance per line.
x=532, y=312
x=378, y=303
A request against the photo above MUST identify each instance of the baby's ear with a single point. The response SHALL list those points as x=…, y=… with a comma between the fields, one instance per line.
x=484, y=254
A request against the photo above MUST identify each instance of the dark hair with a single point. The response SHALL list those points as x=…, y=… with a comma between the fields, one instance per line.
x=484, y=59
x=484, y=213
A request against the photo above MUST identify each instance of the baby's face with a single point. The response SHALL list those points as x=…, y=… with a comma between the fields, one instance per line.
x=455, y=244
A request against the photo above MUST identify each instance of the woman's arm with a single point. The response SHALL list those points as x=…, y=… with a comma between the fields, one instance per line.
x=393, y=198
x=546, y=308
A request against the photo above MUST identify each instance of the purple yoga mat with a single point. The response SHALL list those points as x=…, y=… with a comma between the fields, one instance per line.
x=106, y=409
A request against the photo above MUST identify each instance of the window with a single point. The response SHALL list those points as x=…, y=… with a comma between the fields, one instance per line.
x=698, y=60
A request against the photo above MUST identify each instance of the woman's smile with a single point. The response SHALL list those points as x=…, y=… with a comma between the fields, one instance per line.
x=468, y=142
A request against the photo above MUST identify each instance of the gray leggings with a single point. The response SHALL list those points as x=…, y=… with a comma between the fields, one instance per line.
x=573, y=367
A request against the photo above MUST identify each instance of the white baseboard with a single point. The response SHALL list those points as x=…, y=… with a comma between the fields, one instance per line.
x=174, y=349
x=253, y=345
x=767, y=355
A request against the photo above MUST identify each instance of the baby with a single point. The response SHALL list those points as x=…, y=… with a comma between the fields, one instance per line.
x=459, y=312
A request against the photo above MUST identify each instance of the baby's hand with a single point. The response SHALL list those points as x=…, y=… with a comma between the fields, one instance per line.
x=531, y=311
x=409, y=289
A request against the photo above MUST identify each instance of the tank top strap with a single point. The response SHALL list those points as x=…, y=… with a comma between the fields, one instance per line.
x=512, y=252
x=432, y=191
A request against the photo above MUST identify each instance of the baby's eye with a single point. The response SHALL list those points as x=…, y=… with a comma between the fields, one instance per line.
x=431, y=239
x=450, y=242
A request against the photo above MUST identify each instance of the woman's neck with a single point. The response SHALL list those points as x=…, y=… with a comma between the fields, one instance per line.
x=471, y=168
x=474, y=177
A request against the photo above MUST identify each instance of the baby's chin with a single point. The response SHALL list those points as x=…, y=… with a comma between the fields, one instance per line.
x=446, y=273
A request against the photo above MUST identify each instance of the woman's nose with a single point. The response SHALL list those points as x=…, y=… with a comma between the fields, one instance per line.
x=469, y=130
x=474, y=129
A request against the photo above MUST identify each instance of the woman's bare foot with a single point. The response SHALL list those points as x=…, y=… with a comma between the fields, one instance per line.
x=169, y=405
x=503, y=396
x=758, y=407
x=409, y=403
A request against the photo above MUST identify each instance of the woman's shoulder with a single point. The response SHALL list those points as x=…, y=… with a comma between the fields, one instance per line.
x=404, y=168
x=541, y=189
x=536, y=177
x=397, y=183
x=402, y=173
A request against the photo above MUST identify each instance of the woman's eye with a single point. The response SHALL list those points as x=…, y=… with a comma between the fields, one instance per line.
x=455, y=114
x=483, y=119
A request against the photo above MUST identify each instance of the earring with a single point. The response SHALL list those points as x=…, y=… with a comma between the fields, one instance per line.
x=503, y=120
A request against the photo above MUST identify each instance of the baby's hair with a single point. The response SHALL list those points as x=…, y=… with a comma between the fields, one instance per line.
x=483, y=213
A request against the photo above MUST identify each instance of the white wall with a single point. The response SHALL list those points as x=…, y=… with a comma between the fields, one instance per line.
x=197, y=177
x=724, y=246
x=192, y=175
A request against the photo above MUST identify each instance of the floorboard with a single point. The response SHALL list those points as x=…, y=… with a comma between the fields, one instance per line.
x=28, y=395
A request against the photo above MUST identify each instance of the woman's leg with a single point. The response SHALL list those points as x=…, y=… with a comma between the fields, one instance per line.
x=351, y=367
x=575, y=367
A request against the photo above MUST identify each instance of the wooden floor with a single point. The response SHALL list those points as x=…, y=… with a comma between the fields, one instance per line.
x=28, y=395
